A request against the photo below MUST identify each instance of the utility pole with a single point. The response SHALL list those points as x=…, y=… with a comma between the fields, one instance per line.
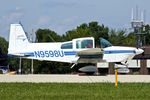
x=20, y=66
x=32, y=68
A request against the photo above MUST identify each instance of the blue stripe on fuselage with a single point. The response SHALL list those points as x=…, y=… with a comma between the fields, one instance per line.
x=30, y=54
x=118, y=51
x=69, y=53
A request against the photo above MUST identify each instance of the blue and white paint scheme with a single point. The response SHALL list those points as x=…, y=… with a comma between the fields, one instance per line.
x=19, y=46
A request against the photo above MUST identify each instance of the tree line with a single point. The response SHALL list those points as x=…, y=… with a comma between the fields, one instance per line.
x=92, y=29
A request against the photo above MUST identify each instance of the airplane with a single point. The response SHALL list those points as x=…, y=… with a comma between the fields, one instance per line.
x=80, y=50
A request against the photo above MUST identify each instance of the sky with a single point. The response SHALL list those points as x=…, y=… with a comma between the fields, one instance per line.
x=64, y=15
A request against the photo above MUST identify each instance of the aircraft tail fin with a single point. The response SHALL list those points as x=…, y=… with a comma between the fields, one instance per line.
x=17, y=39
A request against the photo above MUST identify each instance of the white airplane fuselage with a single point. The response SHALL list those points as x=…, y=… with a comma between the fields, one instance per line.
x=52, y=52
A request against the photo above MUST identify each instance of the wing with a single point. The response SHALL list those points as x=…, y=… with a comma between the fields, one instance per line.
x=92, y=55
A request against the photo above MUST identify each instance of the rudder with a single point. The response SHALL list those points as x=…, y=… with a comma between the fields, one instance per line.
x=17, y=39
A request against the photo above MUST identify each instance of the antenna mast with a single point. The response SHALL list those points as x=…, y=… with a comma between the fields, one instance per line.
x=137, y=25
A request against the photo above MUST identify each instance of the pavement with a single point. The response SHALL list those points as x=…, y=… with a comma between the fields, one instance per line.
x=55, y=78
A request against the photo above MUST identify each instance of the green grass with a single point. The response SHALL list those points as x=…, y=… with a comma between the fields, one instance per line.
x=68, y=91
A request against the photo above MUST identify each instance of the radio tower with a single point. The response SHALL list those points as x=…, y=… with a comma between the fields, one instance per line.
x=138, y=25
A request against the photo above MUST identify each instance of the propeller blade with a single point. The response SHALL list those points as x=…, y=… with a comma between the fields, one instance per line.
x=137, y=62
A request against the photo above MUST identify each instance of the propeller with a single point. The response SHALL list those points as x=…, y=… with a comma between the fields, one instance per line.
x=141, y=54
x=137, y=61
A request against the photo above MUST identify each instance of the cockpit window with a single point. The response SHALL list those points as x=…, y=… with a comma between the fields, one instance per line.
x=66, y=45
x=80, y=44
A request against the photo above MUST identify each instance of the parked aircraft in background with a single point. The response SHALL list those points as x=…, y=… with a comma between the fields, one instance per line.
x=6, y=70
x=80, y=50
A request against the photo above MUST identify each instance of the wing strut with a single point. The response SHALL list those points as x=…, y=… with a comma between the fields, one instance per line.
x=73, y=65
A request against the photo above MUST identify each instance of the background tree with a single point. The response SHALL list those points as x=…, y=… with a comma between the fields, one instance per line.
x=3, y=45
x=121, y=38
x=46, y=35
x=88, y=30
x=129, y=40
x=147, y=34
x=3, y=52
x=4, y=59
x=117, y=37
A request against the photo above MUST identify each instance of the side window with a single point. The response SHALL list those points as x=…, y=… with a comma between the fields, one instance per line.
x=87, y=44
x=66, y=46
x=80, y=44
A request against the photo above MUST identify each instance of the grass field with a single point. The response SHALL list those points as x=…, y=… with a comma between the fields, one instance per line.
x=68, y=91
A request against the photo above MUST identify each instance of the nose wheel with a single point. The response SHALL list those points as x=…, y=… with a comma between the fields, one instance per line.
x=124, y=64
x=123, y=69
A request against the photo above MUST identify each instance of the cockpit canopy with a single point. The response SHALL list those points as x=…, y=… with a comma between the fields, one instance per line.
x=79, y=43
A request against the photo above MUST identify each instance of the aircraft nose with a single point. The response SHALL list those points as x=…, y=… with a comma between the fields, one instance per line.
x=139, y=51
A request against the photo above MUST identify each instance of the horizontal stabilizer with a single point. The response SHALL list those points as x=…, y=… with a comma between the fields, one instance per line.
x=21, y=54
